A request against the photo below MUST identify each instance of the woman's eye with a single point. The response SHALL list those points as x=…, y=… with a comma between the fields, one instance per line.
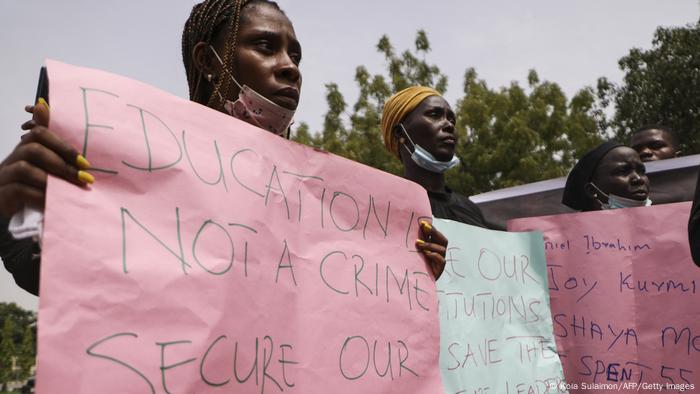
x=296, y=58
x=264, y=45
x=621, y=171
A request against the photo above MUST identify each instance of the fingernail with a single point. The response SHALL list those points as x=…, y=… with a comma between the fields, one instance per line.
x=420, y=242
x=82, y=162
x=43, y=102
x=426, y=225
x=85, y=177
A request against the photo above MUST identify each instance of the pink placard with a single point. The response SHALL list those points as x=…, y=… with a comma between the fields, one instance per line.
x=212, y=257
x=624, y=295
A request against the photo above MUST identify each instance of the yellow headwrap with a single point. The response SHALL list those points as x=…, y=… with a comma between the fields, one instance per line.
x=397, y=107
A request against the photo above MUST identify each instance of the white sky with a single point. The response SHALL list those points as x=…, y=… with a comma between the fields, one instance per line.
x=569, y=42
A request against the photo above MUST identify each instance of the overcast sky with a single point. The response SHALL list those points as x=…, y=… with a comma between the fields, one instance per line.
x=569, y=42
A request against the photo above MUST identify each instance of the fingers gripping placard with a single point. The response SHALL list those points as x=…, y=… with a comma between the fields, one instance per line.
x=210, y=256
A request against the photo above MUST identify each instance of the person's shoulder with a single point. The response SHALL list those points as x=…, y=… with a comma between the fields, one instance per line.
x=470, y=212
x=463, y=200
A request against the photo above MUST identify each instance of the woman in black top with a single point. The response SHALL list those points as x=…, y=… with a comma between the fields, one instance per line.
x=609, y=176
x=418, y=126
x=226, y=45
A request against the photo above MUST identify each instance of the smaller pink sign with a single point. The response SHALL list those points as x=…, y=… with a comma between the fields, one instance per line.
x=624, y=294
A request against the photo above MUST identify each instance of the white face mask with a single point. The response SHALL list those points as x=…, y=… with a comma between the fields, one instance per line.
x=252, y=107
x=618, y=202
x=426, y=160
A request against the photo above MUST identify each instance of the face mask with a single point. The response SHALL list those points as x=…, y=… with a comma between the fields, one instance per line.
x=254, y=108
x=427, y=161
x=617, y=202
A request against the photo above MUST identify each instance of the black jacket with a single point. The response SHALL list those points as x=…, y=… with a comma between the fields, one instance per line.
x=21, y=259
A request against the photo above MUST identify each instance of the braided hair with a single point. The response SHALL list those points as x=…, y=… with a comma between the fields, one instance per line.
x=206, y=21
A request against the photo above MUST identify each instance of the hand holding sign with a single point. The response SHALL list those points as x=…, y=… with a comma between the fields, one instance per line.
x=24, y=172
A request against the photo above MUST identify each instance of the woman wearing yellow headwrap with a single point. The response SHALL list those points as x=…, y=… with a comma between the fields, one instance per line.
x=418, y=126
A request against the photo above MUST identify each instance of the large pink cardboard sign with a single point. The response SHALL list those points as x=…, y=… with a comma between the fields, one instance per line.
x=625, y=298
x=213, y=257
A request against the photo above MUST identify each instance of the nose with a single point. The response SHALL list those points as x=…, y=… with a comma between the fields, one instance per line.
x=288, y=70
x=646, y=154
x=448, y=126
x=638, y=178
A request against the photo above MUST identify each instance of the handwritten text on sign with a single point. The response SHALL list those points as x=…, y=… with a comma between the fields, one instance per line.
x=624, y=297
x=495, y=322
x=210, y=256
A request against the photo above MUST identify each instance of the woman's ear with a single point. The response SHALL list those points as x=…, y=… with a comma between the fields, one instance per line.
x=590, y=190
x=594, y=193
x=205, y=61
x=399, y=132
x=595, y=196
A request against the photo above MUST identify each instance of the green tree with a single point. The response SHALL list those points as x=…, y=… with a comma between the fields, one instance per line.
x=20, y=317
x=27, y=352
x=18, y=341
x=334, y=135
x=660, y=85
x=513, y=135
x=7, y=353
x=302, y=135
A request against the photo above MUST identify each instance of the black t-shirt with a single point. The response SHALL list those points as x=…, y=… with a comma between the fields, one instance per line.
x=455, y=206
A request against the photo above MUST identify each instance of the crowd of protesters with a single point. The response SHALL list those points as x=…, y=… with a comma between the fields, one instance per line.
x=243, y=58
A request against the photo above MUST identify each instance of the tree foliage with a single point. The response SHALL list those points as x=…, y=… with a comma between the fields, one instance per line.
x=660, y=85
x=517, y=135
x=508, y=136
x=8, y=352
x=27, y=351
x=18, y=342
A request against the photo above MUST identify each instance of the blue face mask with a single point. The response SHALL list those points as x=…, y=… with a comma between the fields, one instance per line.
x=427, y=161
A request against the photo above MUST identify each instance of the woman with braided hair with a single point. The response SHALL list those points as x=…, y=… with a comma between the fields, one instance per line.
x=245, y=50
x=241, y=57
x=230, y=48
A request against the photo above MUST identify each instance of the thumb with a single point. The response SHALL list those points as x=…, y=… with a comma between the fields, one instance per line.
x=41, y=113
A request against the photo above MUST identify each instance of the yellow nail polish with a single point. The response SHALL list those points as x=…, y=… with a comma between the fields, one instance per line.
x=420, y=242
x=82, y=162
x=426, y=225
x=43, y=102
x=85, y=177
